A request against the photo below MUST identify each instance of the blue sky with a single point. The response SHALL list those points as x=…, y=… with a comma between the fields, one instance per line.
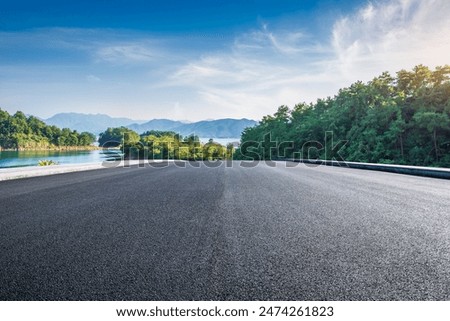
x=193, y=60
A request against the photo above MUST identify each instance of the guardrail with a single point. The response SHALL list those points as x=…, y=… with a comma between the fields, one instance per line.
x=435, y=172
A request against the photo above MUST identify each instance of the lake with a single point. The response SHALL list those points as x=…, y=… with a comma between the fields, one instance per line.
x=222, y=141
x=32, y=157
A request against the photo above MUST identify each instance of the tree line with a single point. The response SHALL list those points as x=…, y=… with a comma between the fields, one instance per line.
x=403, y=120
x=163, y=145
x=21, y=132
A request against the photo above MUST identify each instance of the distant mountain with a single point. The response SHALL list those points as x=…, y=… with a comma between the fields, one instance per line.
x=220, y=128
x=155, y=124
x=87, y=122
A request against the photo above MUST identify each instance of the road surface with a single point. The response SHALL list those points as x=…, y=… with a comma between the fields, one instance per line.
x=224, y=233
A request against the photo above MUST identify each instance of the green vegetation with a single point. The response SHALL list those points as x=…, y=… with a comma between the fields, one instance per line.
x=20, y=132
x=114, y=137
x=47, y=162
x=163, y=145
x=402, y=120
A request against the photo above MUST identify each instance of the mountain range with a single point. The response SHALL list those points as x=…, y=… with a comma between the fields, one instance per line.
x=97, y=123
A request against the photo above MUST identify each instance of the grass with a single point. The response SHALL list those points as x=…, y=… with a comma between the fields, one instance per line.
x=47, y=162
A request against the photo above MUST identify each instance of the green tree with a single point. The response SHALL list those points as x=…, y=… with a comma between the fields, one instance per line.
x=118, y=136
x=19, y=132
x=402, y=119
x=213, y=151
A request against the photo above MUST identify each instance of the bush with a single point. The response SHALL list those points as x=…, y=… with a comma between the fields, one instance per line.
x=47, y=162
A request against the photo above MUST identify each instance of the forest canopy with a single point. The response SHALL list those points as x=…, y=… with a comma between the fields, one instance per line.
x=21, y=132
x=156, y=144
x=402, y=120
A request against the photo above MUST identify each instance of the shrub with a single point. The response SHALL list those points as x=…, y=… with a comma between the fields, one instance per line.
x=47, y=162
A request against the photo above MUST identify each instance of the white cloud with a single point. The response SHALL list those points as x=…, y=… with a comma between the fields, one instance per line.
x=249, y=76
x=262, y=70
x=96, y=44
x=92, y=78
x=284, y=42
x=125, y=53
x=266, y=68
x=390, y=36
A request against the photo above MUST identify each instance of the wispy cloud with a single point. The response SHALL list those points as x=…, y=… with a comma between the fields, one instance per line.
x=125, y=53
x=92, y=78
x=392, y=35
x=51, y=70
x=283, y=41
x=245, y=76
x=260, y=70
x=97, y=45
x=265, y=68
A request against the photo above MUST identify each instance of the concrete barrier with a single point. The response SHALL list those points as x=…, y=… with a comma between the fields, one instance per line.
x=33, y=171
x=435, y=172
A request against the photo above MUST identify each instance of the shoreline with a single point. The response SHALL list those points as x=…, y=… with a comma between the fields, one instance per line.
x=13, y=173
x=34, y=171
x=63, y=148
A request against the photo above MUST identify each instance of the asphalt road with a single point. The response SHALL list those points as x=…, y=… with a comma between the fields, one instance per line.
x=222, y=233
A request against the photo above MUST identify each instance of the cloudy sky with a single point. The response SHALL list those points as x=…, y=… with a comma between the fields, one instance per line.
x=194, y=60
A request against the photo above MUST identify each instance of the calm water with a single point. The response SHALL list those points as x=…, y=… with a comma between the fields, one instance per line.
x=222, y=141
x=31, y=158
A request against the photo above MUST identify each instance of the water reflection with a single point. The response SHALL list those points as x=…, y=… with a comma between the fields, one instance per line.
x=32, y=157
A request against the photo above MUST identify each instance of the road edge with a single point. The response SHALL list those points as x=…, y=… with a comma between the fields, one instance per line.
x=434, y=172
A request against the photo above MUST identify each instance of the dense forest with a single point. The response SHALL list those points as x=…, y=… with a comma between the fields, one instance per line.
x=163, y=145
x=402, y=120
x=21, y=132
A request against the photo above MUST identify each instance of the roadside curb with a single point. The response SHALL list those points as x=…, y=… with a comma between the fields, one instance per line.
x=434, y=172
x=34, y=171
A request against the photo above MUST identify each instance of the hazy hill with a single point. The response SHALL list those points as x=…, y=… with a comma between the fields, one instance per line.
x=220, y=128
x=155, y=124
x=94, y=123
